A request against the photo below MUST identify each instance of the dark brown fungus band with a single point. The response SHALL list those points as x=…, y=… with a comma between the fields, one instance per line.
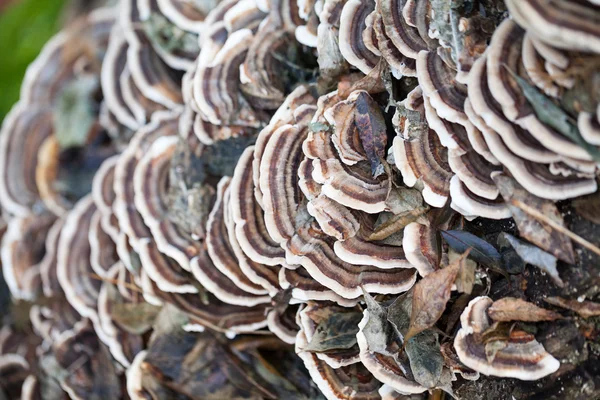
x=14, y=370
x=216, y=94
x=113, y=67
x=48, y=264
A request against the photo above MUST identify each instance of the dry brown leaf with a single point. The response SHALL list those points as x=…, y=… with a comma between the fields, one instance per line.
x=535, y=230
x=430, y=297
x=588, y=207
x=372, y=131
x=372, y=83
x=466, y=274
x=586, y=309
x=514, y=309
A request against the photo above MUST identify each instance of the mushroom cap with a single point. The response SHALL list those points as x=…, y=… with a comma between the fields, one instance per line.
x=157, y=83
x=103, y=252
x=122, y=345
x=563, y=24
x=24, y=130
x=216, y=314
x=312, y=249
x=216, y=95
x=504, y=57
x=221, y=285
x=219, y=246
x=420, y=247
x=14, y=370
x=114, y=66
x=163, y=124
x=424, y=158
x=23, y=249
x=73, y=266
x=283, y=324
x=151, y=184
x=351, y=41
x=523, y=359
x=305, y=288
x=250, y=230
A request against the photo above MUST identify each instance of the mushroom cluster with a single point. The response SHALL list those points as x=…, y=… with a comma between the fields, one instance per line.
x=277, y=168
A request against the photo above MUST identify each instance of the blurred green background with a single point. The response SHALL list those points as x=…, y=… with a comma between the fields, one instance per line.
x=25, y=25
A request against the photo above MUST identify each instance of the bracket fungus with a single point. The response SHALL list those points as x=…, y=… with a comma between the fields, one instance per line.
x=269, y=199
x=521, y=357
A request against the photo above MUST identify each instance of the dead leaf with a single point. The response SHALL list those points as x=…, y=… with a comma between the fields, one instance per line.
x=430, y=296
x=496, y=331
x=492, y=348
x=402, y=199
x=482, y=252
x=372, y=83
x=513, y=309
x=426, y=360
x=586, y=309
x=455, y=311
x=536, y=231
x=335, y=333
x=135, y=318
x=588, y=207
x=396, y=223
x=533, y=255
x=398, y=313
x=466, y=274
x=372, y=130
x=378, y=331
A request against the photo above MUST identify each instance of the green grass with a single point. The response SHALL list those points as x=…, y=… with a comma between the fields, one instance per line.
x=24, y=29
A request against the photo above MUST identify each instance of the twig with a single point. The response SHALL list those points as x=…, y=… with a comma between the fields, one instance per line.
x=541, y=217
x=116, y=282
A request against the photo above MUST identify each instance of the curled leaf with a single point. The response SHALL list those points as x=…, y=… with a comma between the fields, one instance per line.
x=372, y=131
x=430, y=296
x=588, y=207
x=372, y=83
x=482, y=252
x=538, y=232
x=513, y=309
x=533, y=255
x=378, y=331
x=586, y=309
x=335, y=333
